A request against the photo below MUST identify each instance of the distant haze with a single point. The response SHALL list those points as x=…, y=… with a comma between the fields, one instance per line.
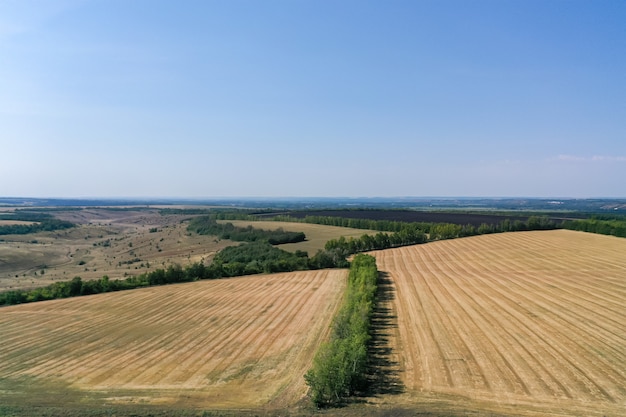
x=151, y=98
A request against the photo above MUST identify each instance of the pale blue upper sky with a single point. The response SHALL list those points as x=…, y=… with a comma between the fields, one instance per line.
x=151, y=98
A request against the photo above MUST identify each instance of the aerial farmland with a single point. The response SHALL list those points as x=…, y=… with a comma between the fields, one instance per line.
x=529, y=323
x=206, y=344
x=312, y=208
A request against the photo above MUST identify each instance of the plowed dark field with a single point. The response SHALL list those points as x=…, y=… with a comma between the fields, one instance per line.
x=411, y=216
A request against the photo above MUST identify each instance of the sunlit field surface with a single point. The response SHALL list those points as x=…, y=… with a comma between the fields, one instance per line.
x=234, y=343
x=530, y=323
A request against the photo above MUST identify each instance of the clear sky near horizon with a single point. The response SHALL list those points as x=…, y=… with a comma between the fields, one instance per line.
x=151, y=98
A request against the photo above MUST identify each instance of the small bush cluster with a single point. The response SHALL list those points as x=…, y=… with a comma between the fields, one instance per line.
x=258, y=257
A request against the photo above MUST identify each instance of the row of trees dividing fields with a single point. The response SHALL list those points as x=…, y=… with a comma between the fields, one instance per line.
x=339, y=368
x=404, y=234
x=438, y=230
x=614, y=225
x=413, y=216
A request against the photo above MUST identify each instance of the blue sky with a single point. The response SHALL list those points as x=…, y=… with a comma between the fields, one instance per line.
x=151, y=98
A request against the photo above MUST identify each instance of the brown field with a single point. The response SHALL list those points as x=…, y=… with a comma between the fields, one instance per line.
x=527, y=323
x=234, y=343
x=107, y=242
x=316, y=235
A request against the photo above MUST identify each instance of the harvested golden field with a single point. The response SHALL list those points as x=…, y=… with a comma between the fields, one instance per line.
x=527, y=323
x=233, y=343
x=316, y=234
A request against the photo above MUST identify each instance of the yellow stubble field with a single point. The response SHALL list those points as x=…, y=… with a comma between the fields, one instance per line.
x=527, y=323
x=234, y=343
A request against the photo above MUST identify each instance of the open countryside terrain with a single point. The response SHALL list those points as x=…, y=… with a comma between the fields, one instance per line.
x=526, y=323
x=121, y=242
x=236, y=343
x=109, y=242
x=515, y=324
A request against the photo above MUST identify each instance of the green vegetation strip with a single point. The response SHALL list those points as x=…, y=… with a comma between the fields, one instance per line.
x=604, y=226
x=404, y=233
x=339, y=368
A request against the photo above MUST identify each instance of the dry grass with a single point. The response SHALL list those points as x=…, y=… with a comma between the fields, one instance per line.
x=107, y=242
x=529, y=323
x=237, y=343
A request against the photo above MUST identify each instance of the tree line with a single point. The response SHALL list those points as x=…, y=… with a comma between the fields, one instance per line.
x=613, y=227
x=434, y=230
x=208, y=225
x=380, y=225
x=339, y=367
x=412, y=233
